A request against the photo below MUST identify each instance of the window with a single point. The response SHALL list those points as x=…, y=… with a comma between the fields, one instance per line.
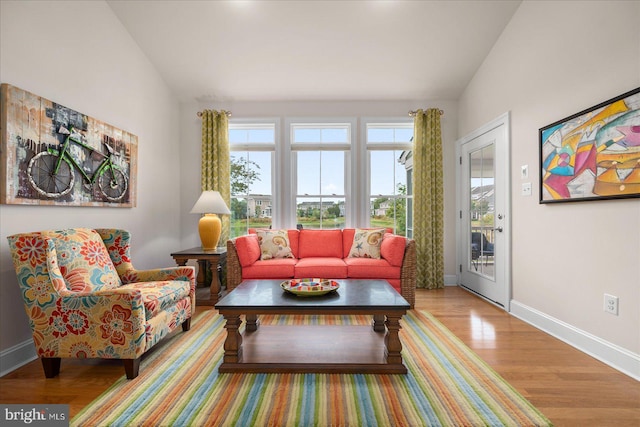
x=321, y=173
x=256, y=134
x=320, y=153
x=252, y=147
x=390, y=190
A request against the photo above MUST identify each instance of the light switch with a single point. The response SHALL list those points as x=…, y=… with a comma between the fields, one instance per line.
x=526, y=188
x=524, y=171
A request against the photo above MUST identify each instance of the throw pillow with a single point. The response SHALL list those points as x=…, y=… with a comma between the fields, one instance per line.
x=392, y=249
x=248, y=249
x=366, y=243
x=274, y=244
x=84, y=260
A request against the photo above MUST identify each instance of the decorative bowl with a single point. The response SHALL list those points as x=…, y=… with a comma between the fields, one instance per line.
x=309, y=287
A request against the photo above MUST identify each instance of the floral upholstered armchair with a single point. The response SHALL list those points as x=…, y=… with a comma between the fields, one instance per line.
x=84, y=299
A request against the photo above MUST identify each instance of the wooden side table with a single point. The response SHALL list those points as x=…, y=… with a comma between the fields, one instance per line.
x=202, y=256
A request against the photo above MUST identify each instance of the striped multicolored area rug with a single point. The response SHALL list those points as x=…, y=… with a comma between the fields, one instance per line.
x=447, y=385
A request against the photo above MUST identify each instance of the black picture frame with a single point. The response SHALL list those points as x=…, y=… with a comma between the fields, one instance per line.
x=593, y=154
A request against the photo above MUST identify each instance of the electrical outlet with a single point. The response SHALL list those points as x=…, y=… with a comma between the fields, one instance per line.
x=611, y=304
x=526, y=188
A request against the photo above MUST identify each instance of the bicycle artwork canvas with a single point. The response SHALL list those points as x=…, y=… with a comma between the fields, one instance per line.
x=54, y=155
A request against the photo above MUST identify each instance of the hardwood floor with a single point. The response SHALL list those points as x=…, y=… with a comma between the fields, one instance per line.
x=568, y=386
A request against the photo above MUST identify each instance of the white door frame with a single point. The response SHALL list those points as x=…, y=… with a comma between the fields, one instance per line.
x=502, y=120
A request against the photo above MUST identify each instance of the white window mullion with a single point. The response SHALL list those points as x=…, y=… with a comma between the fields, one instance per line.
x=360, y=185
x=287, y=178
x=352, y=199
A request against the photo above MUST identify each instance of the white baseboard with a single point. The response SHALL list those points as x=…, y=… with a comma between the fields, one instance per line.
x=450, y=280
x=17, y=356
x=617, y=357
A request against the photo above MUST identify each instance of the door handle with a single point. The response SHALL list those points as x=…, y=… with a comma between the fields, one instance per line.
x=499, y=229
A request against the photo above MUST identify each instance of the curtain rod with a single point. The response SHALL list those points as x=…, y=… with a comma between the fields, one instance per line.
x=228, y=113
x=412, y=113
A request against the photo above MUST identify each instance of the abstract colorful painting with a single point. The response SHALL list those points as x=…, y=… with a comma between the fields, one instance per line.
x=594, y=154
x=53, y=155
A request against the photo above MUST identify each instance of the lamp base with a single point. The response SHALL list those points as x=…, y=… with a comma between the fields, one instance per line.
x=209, y=228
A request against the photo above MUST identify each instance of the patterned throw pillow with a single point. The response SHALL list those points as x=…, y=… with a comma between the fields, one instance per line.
x=84, y=260
x=366, y=243
x=274, y=244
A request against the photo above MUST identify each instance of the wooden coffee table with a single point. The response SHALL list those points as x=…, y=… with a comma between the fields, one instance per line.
x=313, y=348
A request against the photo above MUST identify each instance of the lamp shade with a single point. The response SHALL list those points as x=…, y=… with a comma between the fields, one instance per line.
x=210, y=203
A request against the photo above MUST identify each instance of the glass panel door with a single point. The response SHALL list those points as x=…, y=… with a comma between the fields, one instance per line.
x=483, y=200
x=481, y=211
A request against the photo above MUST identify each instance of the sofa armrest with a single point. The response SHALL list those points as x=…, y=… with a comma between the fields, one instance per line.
x=234, y=269
x=408, y=273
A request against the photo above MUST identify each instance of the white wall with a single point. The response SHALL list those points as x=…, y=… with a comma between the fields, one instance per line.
x=190, y=145
x=555, y=59
x=78, y=54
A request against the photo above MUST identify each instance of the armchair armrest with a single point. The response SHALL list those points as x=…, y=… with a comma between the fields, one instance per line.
x=186, y=273
x=126, y=298
x=115, y=317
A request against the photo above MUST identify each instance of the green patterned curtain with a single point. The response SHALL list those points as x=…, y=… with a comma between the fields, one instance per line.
x=428, y=205
x=215, y=160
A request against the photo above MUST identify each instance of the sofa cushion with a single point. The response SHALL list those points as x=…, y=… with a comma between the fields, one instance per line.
x=392, y=248
x=294, y=241
x=281, y=268
x=274, y=244
x=84, y=260
x=367, y=268
x=248, y=249
x=320, y=243
x=366, y=243
x=321, y=267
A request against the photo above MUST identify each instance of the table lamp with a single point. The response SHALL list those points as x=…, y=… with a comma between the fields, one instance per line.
x=210, y=203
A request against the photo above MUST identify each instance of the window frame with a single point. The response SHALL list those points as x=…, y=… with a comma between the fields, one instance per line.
x=368, y=147
x=351, y=124
x=357, y=191
x=260, y=147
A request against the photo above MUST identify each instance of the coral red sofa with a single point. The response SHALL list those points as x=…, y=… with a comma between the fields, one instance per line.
x=324, y=254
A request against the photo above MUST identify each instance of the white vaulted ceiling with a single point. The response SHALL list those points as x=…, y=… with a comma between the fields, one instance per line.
x=315, y=50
